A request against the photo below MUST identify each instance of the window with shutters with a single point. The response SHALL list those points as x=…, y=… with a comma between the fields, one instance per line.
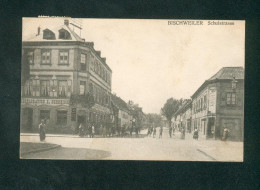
x=64, y=57
x=30, y=57
x=231, y=98
x=46, y=57
x=82, y=87
x=28, y=88
x=45, y=88
x=62, y=117
x=63, y=88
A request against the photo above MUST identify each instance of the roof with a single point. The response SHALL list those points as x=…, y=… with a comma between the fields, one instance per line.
x=229, y=73
x=119, y=103
x=184, y=107
x=225, y=73
x=55, y=29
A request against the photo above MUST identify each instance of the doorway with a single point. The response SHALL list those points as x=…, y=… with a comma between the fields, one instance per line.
x=81, y=120
x=211, y=127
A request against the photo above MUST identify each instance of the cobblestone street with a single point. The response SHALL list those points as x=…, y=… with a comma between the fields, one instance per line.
x=147, y=148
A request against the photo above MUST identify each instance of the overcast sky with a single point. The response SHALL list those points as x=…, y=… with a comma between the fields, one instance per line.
x=153, y=61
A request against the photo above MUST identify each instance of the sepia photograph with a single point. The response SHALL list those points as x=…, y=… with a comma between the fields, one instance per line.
x=132, y=89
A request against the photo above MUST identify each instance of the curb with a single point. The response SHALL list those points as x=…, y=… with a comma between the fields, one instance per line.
x=212, y=158
x=39, y=150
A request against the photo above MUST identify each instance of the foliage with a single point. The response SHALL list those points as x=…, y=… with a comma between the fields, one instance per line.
x=86, y=100
x=170, y=107
x=153, y=119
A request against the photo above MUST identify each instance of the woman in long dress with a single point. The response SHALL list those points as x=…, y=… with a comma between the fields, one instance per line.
x=42, y=130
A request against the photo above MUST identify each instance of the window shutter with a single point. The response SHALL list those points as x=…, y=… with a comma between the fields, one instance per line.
x=69, y=88
x=55, y=87
x=37, y=87
x=239, y=99
x=223, y=99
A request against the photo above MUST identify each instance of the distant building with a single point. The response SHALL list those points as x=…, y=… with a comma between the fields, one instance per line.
x=182, y=118
x=219, y=103
x=65, y=81
x=122, y=114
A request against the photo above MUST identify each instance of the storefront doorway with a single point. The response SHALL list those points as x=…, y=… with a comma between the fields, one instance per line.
x=211, y=127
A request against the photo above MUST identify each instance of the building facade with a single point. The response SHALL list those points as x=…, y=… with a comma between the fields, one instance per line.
x=65, y=81
x=122, y=114
x=182, y=118
x=219, y=104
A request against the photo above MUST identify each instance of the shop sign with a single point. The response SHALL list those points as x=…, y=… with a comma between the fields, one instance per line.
x=41, y=101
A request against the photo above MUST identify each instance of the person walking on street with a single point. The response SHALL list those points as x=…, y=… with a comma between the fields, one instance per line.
x=161, y=130
x=92, y=131
x=196, y=134
x=170, y=131
x=81, y=130
x=154, y=132
x=225, y=134
x=42, y=130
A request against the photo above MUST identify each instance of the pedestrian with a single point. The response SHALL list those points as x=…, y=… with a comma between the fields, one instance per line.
x=154, y=132
x=196, y=134
x=42, y=130
x=170, y=131
x=81, y=130
x=225, y=134
x=161, y=130
x=92, y=131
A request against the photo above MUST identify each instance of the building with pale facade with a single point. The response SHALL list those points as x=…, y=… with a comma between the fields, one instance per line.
x=219, y=103
x=65, y=81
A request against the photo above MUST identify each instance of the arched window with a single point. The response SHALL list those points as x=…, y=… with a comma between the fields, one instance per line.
x=48, y=35
x=64, y=34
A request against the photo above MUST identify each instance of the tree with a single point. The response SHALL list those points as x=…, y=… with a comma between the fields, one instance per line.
x=152, y=118
x=169, y=108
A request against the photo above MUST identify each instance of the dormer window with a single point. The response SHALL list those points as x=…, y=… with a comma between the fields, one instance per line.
x=64, y=34
x=48, y=35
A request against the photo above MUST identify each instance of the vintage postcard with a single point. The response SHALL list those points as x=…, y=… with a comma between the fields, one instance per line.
x=132, y=89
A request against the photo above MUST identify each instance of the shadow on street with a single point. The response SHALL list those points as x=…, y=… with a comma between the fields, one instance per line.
x=69, y=153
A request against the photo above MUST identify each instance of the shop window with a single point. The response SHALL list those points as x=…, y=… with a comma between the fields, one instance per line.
x=45, y=115
x=45, y=88
x=82, y=87
x=46, y=57
x=231, y=98
x=48, y=35
x=62, y=117
x=83, y=62
x=63, y=88
x=64, y=57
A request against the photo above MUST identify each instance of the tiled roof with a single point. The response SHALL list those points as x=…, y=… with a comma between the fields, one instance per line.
x=119, y=103
x=229, y=73
x=55, y=29
x=226, y=73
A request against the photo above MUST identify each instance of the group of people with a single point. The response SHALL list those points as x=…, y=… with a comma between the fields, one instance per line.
x=152, y=131
x=106, y=131
x=86, y=130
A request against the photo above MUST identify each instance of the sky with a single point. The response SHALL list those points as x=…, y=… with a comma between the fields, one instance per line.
x=152, y=61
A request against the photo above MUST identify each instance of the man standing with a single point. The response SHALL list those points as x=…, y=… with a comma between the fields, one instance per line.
x=42, y=130
x=170, y=131
x=154, y=132
x=161, y=130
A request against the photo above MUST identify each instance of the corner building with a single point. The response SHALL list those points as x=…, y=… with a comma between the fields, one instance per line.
x=219, y=103
x=58, y=66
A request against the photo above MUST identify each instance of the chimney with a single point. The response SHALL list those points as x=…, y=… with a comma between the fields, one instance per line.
x=38, y=31
x=66, y=22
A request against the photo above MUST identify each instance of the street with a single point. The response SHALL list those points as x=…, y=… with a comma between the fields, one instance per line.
x=146, y=148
